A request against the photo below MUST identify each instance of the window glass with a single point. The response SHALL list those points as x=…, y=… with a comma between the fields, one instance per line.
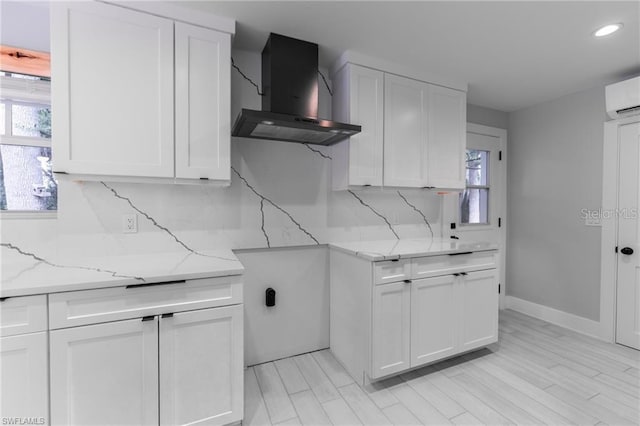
x=474, y=201
x=477, y=167
x=474, y=206
x=31, y=121
x=26, y=179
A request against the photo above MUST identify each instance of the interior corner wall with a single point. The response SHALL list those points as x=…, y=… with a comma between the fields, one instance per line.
x=487, y=116
x=555, y=171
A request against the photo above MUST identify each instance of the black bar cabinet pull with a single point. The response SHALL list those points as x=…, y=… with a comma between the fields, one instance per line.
x=458, y=254
x=155, y=284
x=169, y=315
x=148, y=318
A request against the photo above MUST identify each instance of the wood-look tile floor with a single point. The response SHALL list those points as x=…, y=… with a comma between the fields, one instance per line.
x=538, y=373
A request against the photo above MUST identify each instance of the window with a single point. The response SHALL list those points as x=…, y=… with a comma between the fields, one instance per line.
x=27, y=183
x=474, y=201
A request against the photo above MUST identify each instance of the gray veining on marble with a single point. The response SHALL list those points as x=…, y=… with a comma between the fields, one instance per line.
x=263, y=198
x=39, y=259
x=375, y=212
x=418, y=211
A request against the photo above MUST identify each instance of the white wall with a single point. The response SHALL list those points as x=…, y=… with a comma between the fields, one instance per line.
x=555, y=170
x=487, y=116
x=299, y=322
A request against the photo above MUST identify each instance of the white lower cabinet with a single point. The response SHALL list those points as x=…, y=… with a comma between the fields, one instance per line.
x=23, y=377
x=380, y=328
x=105, y=374
x=24, y=369
x=162, y=366
x=201, y=367
x=479, y=314
x=390, y=336
x=433, y=314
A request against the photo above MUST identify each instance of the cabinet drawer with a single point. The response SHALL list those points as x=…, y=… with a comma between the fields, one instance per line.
x=94, y=306
x=422, y=267
x=389, y=271
x=20, y=315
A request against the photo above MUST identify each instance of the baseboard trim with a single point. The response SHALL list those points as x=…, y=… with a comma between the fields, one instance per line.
x=554, y=316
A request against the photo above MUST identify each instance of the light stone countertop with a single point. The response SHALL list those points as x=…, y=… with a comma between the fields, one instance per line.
x=408, y=248
x=24, y=273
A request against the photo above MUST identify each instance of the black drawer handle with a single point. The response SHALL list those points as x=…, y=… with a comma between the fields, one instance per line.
x=459, y=254
x=407, y=281
x=627, y=250
x=395, y=260
x=148, y=318
x=170, y=315
x=155, y=284
x=456, y=274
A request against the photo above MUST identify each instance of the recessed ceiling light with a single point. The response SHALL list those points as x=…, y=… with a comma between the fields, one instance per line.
x=607, y=29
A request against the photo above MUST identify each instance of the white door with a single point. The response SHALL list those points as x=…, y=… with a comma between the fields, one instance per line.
x=201, y=367
x=447, y=137
x=112, y=91
x=405, y=132
x=479, y=211
x=390, y=344
x=203, y=123
x=24, y=384
x=479, y=314
x=105, y=374
x=434, y=319
x=628, y=286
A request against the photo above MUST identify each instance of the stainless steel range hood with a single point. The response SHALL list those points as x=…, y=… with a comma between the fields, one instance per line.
x=290, y=98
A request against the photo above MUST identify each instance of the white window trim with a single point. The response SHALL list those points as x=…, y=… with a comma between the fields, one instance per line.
x=21, y=90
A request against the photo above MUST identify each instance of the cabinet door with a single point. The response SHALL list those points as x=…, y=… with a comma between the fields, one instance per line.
x=203, y=128
x=201, y=367
x=405, y=132
x=434, y=319
x=367, y=110
x=105, y=374
x=479, y=325
x=112, y=91
x=390, y=329
x=447, y=137
x=24, y=377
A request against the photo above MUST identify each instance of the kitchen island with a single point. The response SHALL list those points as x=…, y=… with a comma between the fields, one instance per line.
x=401, y=304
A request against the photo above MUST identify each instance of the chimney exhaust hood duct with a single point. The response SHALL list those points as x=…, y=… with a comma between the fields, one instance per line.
x=290, y=101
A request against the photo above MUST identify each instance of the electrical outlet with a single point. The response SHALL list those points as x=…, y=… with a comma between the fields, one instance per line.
x=129, y=223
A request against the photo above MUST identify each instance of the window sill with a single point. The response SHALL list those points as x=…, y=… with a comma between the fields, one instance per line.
x=9, y=215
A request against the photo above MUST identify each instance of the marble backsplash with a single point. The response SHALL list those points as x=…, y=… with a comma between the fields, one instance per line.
x=280, y=195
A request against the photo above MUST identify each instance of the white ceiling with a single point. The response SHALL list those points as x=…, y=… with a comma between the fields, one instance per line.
x=513, y=54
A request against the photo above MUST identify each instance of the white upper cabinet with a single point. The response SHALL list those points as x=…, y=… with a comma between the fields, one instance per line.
x=413, y=132
x=113, y=76
x=202, y=103
x=405, y=132
x=112, y=91
x=447, y=138
x=358, y=99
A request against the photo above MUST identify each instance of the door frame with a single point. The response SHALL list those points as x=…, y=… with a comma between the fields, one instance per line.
x=608, y=257
x=450, y=206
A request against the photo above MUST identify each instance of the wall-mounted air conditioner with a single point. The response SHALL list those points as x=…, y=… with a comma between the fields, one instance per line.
x=623, y=98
